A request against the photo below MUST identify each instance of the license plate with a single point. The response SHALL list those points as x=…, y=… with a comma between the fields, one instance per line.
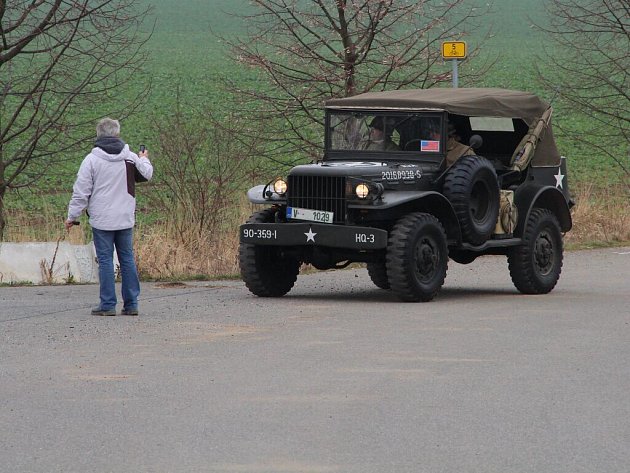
x=320, y=216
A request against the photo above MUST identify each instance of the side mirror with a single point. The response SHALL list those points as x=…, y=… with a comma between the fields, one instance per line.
x=475, y=142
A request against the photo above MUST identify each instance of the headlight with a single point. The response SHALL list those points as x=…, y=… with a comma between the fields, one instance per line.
x=362, y=191
x=280, y=187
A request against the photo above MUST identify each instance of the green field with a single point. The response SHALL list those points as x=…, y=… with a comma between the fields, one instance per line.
x=189, y=59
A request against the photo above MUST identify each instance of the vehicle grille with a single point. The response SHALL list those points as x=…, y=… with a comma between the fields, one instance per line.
x=319, y=193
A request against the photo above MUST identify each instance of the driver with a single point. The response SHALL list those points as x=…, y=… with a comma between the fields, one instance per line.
x=380, y=139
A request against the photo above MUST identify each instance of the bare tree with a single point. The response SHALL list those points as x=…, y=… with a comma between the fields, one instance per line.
x=309, y=51
x=590, y=71
x=204, y=166
x=60, y=60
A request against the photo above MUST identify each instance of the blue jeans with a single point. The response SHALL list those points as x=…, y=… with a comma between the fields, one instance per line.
x=104, y=242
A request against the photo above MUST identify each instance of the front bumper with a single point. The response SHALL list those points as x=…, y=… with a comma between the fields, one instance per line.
x=316, y=234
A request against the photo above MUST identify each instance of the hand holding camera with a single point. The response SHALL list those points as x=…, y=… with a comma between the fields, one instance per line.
x=143, y=152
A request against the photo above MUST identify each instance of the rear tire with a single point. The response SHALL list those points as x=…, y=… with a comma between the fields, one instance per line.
x=266, y=271
x=535, y=266
x=472, y=187
x=378, y=274
x=417, y=257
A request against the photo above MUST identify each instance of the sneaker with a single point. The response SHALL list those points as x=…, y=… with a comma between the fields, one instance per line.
x=129, y=311
x=107, y=312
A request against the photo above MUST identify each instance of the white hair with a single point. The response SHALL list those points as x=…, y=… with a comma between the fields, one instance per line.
x=108, y=127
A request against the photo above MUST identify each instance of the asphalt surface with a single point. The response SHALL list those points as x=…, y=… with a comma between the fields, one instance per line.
x=338, y=376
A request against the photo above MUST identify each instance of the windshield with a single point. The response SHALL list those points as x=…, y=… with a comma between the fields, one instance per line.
x=381, y=132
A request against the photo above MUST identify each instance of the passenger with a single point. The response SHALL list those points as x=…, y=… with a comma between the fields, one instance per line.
x=380, y=139
x=454, y=149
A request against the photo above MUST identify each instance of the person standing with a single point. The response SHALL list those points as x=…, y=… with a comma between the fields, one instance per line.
x=105, y=186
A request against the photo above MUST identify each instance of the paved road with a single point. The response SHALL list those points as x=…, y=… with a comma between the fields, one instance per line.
x=336, y=377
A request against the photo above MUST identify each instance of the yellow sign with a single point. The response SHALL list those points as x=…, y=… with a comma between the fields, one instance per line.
x=454, y=50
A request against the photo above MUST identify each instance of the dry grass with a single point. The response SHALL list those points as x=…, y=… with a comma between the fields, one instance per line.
x=181, y=247
x=47, y=226
x=164, y=254
x=601, y=217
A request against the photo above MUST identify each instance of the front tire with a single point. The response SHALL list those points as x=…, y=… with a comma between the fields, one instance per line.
x=378, y=274
x=535, y=266
x=417, y=257
x=266, y=270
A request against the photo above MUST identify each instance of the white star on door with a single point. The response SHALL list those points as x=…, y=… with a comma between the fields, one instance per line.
x=310, y=236
x=559, y=177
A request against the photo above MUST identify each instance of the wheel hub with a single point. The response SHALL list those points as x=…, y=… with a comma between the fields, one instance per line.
x=543, y=253
x=426, y=258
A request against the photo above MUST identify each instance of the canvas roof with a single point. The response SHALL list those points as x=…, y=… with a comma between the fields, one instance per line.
x=486, y=102
x=471, y=102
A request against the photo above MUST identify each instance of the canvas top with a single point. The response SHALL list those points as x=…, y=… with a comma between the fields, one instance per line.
x=487, y=102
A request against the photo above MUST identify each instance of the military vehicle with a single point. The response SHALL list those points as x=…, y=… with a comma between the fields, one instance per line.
x=409, y=179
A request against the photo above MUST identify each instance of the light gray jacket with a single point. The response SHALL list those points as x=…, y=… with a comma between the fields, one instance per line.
x=102, y=187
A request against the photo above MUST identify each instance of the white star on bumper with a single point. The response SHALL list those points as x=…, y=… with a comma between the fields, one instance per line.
x=559, y=177
x=310, y=236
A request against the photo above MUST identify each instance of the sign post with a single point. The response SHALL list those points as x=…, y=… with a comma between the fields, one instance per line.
x=454, y=50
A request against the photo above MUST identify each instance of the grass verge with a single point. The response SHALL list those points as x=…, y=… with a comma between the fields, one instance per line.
x=601, y=217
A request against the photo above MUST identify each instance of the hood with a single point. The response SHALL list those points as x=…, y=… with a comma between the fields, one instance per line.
x=110, y=144
x=112, y=152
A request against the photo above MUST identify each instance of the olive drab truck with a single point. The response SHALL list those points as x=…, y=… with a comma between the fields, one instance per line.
x=453, y=174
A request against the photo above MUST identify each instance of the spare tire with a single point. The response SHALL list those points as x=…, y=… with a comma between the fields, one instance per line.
x=472, y=187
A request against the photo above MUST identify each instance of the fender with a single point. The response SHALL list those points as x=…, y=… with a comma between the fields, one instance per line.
x=547, y=197
x=256, y=195
x=424, y=201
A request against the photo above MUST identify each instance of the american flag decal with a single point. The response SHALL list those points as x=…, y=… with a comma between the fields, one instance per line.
x=430, y=145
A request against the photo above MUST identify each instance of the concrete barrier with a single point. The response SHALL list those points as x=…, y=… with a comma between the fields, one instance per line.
x=46, y=263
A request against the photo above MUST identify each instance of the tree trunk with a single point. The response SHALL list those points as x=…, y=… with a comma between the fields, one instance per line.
x=350, y=57
x=2, y=216
x=3, y=189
